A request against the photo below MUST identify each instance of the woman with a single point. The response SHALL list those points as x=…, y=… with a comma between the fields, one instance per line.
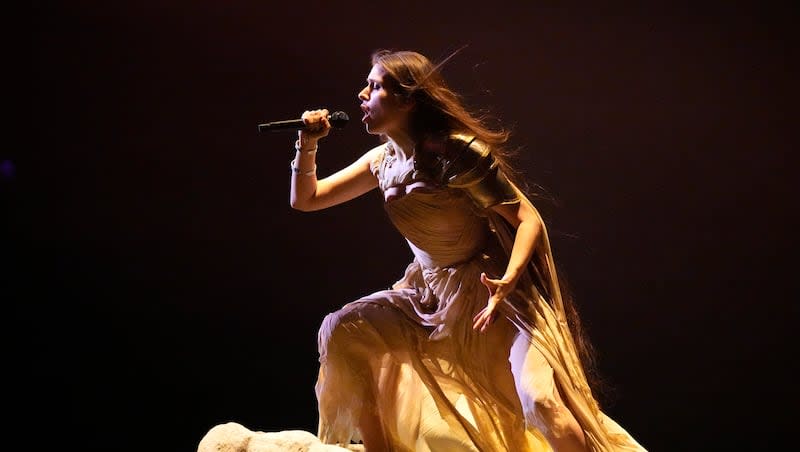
x=472, y=348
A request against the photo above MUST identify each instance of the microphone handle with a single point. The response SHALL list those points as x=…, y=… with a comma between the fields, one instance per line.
x=338, y=120
x=288, y=124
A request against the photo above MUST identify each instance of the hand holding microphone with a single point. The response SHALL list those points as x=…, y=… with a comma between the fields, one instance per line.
x=313, y=125
x=336, y=119
x=317, y=125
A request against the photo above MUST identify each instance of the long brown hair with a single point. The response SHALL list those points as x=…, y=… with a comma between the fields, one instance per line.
x=438, y=111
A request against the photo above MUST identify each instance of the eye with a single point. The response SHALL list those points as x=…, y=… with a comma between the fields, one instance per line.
x=374, y=85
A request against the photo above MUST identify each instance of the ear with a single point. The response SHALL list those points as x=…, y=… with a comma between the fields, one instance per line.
x=407, y=103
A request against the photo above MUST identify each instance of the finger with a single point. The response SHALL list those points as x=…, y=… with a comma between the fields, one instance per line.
x=484, y=324
x=310, y=120
x=487, y=283
x=483, y=321
x=477, y=321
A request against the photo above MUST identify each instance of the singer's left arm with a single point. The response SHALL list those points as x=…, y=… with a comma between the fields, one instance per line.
x=528, y=225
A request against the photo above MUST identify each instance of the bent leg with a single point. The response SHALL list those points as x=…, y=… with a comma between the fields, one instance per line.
x=358, y=347
x=541, y=402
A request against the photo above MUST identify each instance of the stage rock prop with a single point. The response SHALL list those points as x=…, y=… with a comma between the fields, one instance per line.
x=233, y=437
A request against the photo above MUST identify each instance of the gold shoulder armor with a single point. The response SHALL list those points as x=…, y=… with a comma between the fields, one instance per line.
x=470, y=166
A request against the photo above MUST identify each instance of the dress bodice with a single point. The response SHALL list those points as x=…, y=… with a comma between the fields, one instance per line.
x=441, y=224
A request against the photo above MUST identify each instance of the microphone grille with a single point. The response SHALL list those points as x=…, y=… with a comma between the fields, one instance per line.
x=338, y=119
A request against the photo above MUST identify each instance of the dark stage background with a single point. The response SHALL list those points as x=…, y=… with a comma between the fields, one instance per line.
x=161, y=284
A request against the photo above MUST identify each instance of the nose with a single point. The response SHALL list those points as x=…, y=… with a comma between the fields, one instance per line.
x=364, y=93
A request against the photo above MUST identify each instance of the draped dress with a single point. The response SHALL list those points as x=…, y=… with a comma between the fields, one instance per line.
x=409, y=355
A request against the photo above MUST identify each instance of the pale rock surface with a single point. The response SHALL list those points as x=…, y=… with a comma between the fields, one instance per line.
x=233, y=437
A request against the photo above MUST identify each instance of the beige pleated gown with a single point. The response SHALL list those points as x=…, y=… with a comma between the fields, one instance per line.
x=410, y=353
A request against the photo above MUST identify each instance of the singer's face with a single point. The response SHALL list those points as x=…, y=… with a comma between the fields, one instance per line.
x=384, y=113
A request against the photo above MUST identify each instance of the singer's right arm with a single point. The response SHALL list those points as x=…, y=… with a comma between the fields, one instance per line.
x=309, y=194
x=306, y=192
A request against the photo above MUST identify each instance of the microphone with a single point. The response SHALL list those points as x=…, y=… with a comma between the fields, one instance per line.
x=337, y=119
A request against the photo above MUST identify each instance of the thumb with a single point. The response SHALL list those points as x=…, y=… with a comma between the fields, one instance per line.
x=485, y=281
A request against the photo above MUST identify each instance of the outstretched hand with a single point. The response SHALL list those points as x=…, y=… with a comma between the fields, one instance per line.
x=498, y=290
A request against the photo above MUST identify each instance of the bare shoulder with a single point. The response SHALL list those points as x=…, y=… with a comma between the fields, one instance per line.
x=375, y=152
x=373, y=157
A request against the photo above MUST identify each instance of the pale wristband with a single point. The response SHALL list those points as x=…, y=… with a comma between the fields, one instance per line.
x=296, y=170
